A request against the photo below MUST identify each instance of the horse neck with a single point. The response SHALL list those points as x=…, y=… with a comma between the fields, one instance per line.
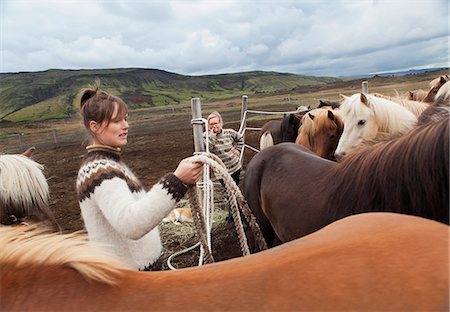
x=375, y=178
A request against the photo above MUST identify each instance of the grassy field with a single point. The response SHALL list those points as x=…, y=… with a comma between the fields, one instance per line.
x=15, y=136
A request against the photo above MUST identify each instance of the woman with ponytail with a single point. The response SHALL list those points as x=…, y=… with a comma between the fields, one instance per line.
x=116, y=209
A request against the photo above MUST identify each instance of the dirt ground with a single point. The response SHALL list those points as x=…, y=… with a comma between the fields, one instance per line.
x=153, y=150
x=157, y=142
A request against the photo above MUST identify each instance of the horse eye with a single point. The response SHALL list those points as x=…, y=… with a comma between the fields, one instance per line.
x=332, y=136
x=361, y=122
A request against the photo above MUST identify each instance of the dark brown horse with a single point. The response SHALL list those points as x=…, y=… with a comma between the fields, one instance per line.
x=280, y=130
x=292, y=192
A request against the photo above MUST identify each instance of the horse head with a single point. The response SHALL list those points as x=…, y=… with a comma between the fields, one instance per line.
x=359, y=123
x=320, y=131
x=435, y=85
x=24, y=190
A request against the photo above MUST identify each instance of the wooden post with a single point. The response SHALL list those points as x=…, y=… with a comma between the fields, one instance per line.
x=243, y=115
x=197, y=125
x=365, y=87
x=54, y=136
x=243, y=106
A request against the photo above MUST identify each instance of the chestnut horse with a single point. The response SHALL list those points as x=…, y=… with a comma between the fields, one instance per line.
x=439, y=109
x=320, y=131
x=372, y=261
x=293, y=192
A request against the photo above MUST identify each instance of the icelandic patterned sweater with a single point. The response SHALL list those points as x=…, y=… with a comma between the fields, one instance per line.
x=116, y=209
x=227, y=145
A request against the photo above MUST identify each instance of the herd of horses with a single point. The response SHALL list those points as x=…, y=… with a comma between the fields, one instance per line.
x=357, y=220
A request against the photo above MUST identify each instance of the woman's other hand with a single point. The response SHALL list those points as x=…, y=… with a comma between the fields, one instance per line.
x=188, y=172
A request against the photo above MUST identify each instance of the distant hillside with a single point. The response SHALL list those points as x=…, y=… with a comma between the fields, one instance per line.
x=37, y=96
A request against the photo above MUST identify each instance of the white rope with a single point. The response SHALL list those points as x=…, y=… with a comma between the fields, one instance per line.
x=203, y=215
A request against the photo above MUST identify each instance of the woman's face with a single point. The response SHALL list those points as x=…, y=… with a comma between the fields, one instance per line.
x=114, y=134
x=214, y=125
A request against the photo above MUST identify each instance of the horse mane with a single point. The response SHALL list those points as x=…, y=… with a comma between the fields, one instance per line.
x=24, y=190
x=306, y=132
x=24, y=246
x=415, y=107
x=390, y=116
x=388, y=174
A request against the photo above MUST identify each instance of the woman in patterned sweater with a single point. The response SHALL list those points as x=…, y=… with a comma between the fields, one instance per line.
x=116, y=209
x=227, y=144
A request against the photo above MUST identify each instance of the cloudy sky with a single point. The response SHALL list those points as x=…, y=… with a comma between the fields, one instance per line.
x=197, y=37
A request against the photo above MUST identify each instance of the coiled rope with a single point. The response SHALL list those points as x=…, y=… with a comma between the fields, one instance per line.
x=237, y=201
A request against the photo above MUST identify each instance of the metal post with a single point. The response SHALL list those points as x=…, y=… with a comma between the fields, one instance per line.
x=365, y=87
x=197, y=127
x=243, y=106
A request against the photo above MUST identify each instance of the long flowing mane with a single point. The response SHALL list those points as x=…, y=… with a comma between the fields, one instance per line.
x=23, y=190
x=415, y=107
x=387, y=171
x=34, y=245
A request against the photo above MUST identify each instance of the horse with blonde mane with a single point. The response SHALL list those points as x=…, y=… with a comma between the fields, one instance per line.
x=366, y=116
x=435, y=86
x=373, y=261
x=23, y=190
x=320, y=131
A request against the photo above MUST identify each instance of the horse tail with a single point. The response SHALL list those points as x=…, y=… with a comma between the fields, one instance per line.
x=265, y=141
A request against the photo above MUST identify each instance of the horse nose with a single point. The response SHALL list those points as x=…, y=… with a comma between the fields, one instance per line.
x=339, y=156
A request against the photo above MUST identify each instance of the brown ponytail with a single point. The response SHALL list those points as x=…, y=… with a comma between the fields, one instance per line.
x=98, y=105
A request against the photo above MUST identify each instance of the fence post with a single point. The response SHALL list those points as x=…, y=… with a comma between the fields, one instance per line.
x=54, y=136
x=243, y=107
x=365, y=87
x=197, y=125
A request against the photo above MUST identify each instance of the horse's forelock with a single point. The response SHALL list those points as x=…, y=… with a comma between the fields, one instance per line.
x=24, y=189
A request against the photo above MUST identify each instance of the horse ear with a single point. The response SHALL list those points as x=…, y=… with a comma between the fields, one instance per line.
x=342, y=97
x=29, y=151
x=364, y=100
x=443, y=80
x=330, y=115
x=311, y=116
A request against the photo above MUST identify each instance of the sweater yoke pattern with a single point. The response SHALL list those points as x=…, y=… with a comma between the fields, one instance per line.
x=96, y=168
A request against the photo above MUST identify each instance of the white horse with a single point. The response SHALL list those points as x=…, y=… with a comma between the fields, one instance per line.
x=365, y=116
x=24, y=190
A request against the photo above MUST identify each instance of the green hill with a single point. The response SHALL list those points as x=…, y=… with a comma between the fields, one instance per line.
x=51, y=94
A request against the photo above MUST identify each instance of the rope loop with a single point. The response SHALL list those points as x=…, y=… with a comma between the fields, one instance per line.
x=237, y=201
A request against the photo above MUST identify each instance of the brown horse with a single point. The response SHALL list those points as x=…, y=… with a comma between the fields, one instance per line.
x=293, y=192
x=373, y=261
x=435, y=85
x=320, y=131
x=439, y=109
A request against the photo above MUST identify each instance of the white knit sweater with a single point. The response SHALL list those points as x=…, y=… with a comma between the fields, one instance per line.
x=117, y=211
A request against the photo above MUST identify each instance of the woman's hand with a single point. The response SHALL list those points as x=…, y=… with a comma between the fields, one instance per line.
x=188, y=172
